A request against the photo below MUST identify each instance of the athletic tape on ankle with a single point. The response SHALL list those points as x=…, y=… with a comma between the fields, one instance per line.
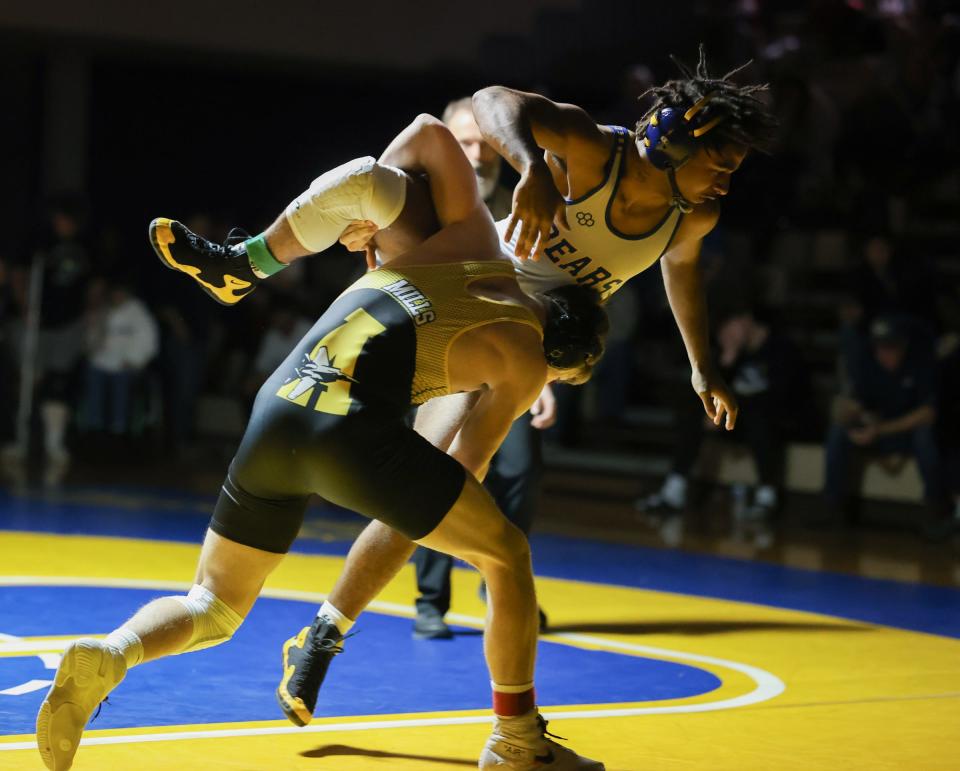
x=361, y=189
x=127, y=643
x=214, y=622
x=261, y=258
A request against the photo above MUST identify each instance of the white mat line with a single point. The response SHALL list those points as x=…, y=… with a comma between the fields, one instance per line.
x=224, y=733
x=768, y=685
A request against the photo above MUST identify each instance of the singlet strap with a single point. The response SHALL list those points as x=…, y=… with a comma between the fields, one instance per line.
x=611, y=168
x=620, y=144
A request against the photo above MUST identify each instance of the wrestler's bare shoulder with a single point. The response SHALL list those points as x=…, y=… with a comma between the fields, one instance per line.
x=497, y=352
x=698, y=223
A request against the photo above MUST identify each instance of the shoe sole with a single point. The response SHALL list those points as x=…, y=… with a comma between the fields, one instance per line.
x=161, y=236
x=294, y=709
x=433, y=635
x=491, y=758
x=61, y=719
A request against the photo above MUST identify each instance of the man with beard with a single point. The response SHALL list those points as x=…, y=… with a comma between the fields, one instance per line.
x=514, y=475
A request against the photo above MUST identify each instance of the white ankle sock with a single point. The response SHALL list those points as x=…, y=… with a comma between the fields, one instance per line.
x=330, y=613
x=523, y=730
x=127, y=644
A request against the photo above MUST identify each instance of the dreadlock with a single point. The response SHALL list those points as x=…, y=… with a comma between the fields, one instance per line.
x=747, y=119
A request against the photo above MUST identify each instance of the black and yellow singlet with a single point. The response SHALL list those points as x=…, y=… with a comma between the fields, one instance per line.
x=438, y=299
x=330, y=420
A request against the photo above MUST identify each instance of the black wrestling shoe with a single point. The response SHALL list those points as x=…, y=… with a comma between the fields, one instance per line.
x=306, y=659
x=222, y=270
x=429, y=625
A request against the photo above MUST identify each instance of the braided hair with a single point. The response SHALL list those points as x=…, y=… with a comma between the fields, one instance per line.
x=746, y=119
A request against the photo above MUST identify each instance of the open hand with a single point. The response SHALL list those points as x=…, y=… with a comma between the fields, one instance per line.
x=544, y=409
x=537, y=204
x=718, y=400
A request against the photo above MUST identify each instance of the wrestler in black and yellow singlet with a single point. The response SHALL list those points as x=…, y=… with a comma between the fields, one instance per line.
x=331, y=420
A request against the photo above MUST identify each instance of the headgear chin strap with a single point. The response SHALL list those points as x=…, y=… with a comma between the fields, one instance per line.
x=678, y=200
x=671, y=138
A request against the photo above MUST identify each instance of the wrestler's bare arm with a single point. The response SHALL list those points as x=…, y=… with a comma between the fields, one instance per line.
x=426, y=146
x=521, y=126
x=439, y=420
x=504, y=361
x=683, y=282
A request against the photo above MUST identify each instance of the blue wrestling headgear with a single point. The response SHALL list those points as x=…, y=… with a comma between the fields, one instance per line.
x=699, y=109
x=671, y=138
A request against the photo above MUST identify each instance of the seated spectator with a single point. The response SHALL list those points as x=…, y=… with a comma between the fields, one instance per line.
x=886, y=283
x=890, y=408
x=950, y=441
x=767, y=375
x=8, y=370
x=122, y=338
x=948, y=414
x=286, y=329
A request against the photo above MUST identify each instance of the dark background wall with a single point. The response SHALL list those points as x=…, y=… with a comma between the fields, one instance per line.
x=232, y=107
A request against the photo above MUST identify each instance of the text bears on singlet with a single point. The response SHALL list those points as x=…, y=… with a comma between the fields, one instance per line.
x=592, y=252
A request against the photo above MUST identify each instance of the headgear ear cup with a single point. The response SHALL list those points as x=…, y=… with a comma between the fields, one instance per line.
x=670, y=137
x=575, y=327
x=665, y=147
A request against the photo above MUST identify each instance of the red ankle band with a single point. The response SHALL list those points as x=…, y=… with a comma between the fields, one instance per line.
x=513, y=704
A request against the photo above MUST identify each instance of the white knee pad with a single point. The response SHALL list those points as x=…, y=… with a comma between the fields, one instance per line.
x=213, y=621
x=361, y=189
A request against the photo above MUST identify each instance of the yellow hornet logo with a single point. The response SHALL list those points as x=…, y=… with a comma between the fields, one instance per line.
x=317, y=371
x=319, y=379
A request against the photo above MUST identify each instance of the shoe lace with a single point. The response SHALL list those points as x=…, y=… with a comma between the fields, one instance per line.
x=312, y=673
x=235, y=236
x=106, y=700
x=211, y=249
x=328, y=645
x=543, y=729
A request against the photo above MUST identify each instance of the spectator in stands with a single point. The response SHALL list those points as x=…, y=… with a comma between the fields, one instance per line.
x=885, y=283
x=62, y=258
x=948, y=413
x=187, y=322
x=889, y=409
x=949, y=421
x=122, y=338
x=286, y=328
x=612, y=376
x=8, y=371
x=765, y=371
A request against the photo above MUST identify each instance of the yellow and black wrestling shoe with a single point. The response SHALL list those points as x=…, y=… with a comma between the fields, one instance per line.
x=222, y=270
x=306, y=659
